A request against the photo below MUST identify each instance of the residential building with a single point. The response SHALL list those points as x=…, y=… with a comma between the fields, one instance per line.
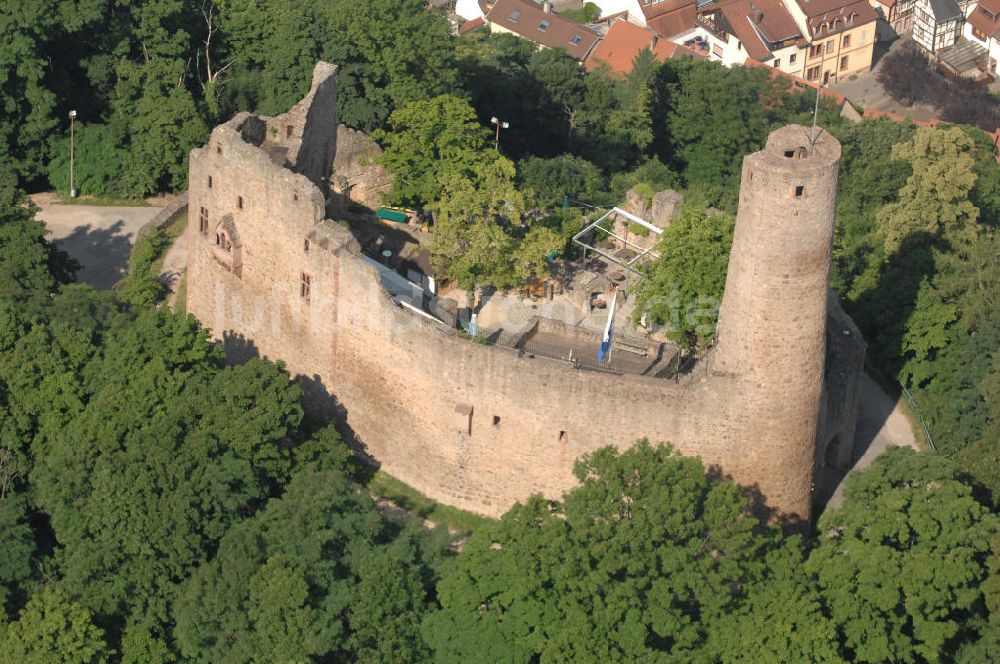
x=537, y=23
x=840, y=36
x=677, y=21
x=818, y=40
x=625, y=40
x=937, y=24
x=898, y=14
x=982, y=26
x=470, y=10
x=763, y=30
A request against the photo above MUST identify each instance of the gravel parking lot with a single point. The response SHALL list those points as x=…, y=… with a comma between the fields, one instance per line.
x=99, y=237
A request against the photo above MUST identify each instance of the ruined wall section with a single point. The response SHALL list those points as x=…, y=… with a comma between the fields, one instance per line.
x=309, y=130
x=356, y=176
x=473, y=426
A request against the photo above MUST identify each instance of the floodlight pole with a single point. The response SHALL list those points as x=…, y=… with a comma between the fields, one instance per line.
x=812, y=133
x=498, y=124
x=72, y=189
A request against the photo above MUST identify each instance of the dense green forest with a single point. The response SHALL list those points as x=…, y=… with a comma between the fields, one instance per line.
x=157, y=505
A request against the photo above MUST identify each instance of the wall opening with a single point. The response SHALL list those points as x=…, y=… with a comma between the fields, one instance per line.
x=496, y=420
x=239, y=202
x=209, y=181
x=305, y=245
x=203, y=221
x=563, y=437
x=305, y=286
x=288, y=131
x=799, y=191
x=463, y=418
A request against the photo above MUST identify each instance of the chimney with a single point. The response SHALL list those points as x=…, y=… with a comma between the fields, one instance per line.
x=547, y=7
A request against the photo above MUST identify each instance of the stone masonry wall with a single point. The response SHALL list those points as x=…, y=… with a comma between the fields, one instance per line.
x=473, y=426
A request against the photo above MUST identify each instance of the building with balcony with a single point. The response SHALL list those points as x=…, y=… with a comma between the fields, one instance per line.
x=982, y=26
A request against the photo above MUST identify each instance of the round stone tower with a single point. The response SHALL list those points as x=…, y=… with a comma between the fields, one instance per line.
x=771, y=332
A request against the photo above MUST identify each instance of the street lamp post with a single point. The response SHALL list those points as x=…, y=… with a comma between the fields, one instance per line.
x=499, y=124
x=72, y=189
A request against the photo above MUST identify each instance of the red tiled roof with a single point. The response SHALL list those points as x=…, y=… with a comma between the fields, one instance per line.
x=769, y=16
x=674, y=22
x=992, y=6
x=469, y=26
x=530, y=21
x=842, y=15
x=620, y=46
x=625, y=40
x=981, y=21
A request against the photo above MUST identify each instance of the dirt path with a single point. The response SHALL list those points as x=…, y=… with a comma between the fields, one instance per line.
x=881, y=424
x=174, y=267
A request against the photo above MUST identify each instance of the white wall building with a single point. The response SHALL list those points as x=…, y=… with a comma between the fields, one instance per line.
x=982, y=26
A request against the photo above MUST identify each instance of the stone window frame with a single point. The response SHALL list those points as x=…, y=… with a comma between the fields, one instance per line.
x=305, y=286
x=223, y=241
x=203, y=221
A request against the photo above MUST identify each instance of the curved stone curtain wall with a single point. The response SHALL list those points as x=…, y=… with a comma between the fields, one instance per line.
x=481, y=427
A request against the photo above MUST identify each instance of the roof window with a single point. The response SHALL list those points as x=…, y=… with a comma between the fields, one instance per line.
x=514, y=14
x=543, y=26
x=575, y=40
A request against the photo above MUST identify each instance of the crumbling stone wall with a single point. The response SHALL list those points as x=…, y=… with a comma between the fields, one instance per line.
x=480, y=427
x=356, y=176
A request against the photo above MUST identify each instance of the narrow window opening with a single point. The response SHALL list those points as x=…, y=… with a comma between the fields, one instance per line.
x=789, y=153
x=218, y=149
x=203, y=221
x=305, y=286
x=288, y=131
x=305, y=246
x=239, y=202
x=799, y=190
x=496, y=420
x=209, y=181
x=295, y=197
x=563, y=437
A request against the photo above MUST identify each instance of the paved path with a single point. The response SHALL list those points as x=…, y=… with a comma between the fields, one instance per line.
x=99, y=237
x=174, y=267
x=881, y=423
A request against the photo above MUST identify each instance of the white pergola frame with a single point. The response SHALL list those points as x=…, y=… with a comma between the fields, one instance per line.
x=641, y=253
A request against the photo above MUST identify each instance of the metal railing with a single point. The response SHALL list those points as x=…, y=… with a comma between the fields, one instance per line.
x=920, y=417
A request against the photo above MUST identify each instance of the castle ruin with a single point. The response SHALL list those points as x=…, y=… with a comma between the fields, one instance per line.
x=272, y=270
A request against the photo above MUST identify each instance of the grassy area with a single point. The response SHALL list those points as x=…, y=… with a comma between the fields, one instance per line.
x=588, y=13
x=388, y=487
x=104, y=201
